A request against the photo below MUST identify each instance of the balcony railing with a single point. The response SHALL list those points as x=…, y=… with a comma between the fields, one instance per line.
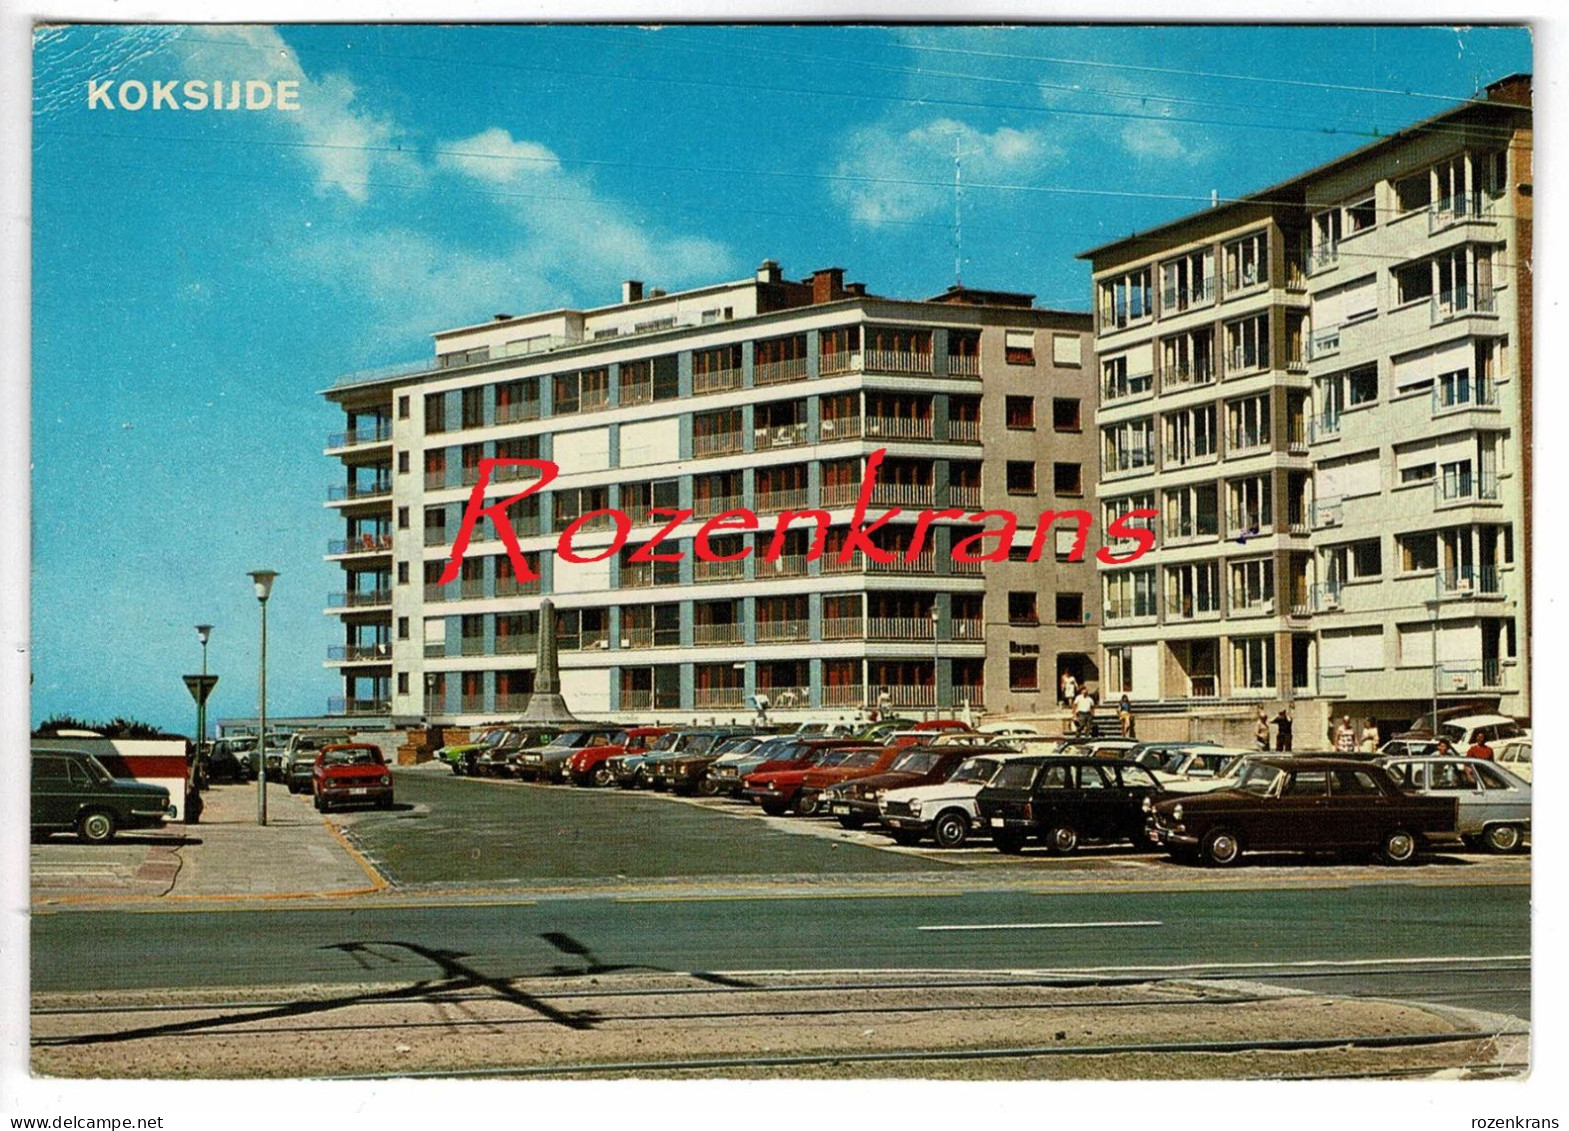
x=363, y=600
x=1252, y=604
x=1332, y=682
x=1192, y=608
x=832, y=428
x=472, y=646
x=706, y=634
x=789, y=499
x=716, y=444
x=972, y=693
x=361, y=653
x=1122, y=386
x=1323, y=255
x=1469, y=581
x=899, y=628
x=710, y=505
x=705, y=697
x=1130, y=459
x=637, y=637
x=785, y=565
x=969, y=628
x=1323, y=426
x=1183, y=373
x=636, y=393
x=779, y=372
x=361, y=544
x=1459, y=679
x=1180, y=454
x=1457, y=395
x=635, y=575
x=633, y=699
x=1459, y=302
x=1468, y=487
x=378, y=433
x=779, y=436
x=1253, y=522
x=841, y=361
x=507, y=584
x=904, y=695
x=1297, y=435
x=354, y=492
x=899, y=428
x=783, y=631
x=839, y=494
x=520, y=644
x=1246, y=440
x=437, y=535
x=1325, y=596
x=344, y=706
x=897, y=361
x=964, y=431
x=718, y=571
x=903, y=495
x=1324, y=343
x=969, y=498
x=843, y=628
x=1178, y=528
x=517, y=411
x=964, y=365
x=511, y=472
x=1242, y=361
x=965, y=569
x=716, y=381
x=1174, y=300
x=1117, y=609
x=844, y=695
x=1466, y=207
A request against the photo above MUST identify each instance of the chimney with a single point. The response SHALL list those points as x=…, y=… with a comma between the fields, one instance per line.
x=768, y=271
x=632, y=290
x=501, y=317
x=855, y=290
x=656, y=293
x=827, y=284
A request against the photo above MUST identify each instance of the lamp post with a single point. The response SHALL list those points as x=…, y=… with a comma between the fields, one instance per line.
x=1432, y=609
x=262, y=579
x=936, y=699
x=203, y=631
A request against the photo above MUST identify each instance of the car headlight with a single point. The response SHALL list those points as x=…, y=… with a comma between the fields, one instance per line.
x=1147, y=805
x=878, y=794
x=386, y=780
x=915, y=808
x=1176, y=811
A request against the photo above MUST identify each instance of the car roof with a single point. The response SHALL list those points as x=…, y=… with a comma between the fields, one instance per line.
x=351, y=746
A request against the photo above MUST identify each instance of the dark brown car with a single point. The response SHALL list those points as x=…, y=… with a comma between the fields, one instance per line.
x=1303, y=805
x=854, y=803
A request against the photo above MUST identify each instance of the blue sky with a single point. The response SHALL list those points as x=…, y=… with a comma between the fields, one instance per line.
x=198, y=277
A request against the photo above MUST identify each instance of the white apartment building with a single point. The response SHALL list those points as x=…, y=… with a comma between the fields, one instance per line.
x=1325, y=390
x=762, y=393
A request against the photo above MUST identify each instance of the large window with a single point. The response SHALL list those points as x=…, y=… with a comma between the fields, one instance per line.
x=1130, y=593
x=1247, y=261
x=1125, y=299
x=1253, y=663
x=1129, y=445
x=1247, y=344
x=1247, y=424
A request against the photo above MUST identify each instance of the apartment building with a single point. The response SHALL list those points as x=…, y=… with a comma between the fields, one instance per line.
x=766, y=394
x=1325, y=390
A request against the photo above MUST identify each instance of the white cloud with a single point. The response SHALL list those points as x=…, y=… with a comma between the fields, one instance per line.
x=888, y=174
x=493, y=156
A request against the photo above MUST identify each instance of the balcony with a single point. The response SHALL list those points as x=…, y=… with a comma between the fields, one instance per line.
x=344, y=706
x=1323, y=427
x=966, y=498
x=516, y=412
x=904, y=694
x=1466, y=488
x=359, y=492
x=1183, y=374
x=1297, y=436
x=1323, y=256
x=472, y=646
x=972, y=693
x=1332, y=682
x=360, y=653
x=639, y=636
x=844, y=628
x=1184, y=453
x=844, y=695
x=1182, y=529
x=783, y=631
x=964, y=431
x=520, y=644
x=897, y=361
x=1254, y=522
x=964, y=365
x=704, y=698
x=361, y=544
x=1174, y=300
x=1124, y=387
x=789, y=499
x=636, y=575
x=716, y=444
x=1457, y=396
x=634, y=699
x=900, y=628
x=709, y=634
x=711, y=505
x=841, y=361
x=378, y=433
x=509, y=702
x=1241, y=362
x=830, y=429
x=1185, y=608
x=903, y=495
x=636, y=393
x=1242, y=441
x=779, y=372
x=507, y=584
x=779, y=436
x=785, y=565
x=1459, y=303
x=1118, y=610
x=509, y=473
x=1325, y=597
x=859, y=563
x=899, y=428
x=1469, y=582
x=1465, y=208
x=718, y=571
x=1244, y=604
x=971, y=629
x=839, y=494
x=437, y=535
x=368, y=599
x=1130, y=459
x=1465, y=678
x=715, y=381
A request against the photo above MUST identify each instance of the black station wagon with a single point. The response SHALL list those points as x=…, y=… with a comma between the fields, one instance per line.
x=1065, y=801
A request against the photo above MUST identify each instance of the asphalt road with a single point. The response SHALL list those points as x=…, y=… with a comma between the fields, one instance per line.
x=1439, y=943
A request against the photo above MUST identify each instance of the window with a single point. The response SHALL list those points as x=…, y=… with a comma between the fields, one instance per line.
x=1067, y=349
x=1067, y=479
x=1247, y=261
x=1253, y=586
x=403, y=463
x=1021, y=477
x=1129, y=445
x=1247, y=344
x=403, y=408
x=1019, y=347
x=1247, y=423
x=403, y=683
x=1130, y=593
x=1192, y=590
x=1070, y=608
x=435, y=412
x=1418, y=552
x=403, y=573
x=1362, y=385
x=1022, y=609
x=473, y=408
x=1020, y=412
x=1360, y=215
x=403, y=518
x=1125, y=299
x=1418, y=473
x=1119, y=670
x=1065, y=414
x=1192, y=512
x=1253, y=663
x=1024, y=673
x=1190, y=435
x=403, y=628
x=1354, y=561
x=1413, y=282
x=1414, y=192
x=1117, y=383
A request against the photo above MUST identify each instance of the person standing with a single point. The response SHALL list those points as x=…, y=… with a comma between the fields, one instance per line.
x=1480, y=749
x=1070, y=688
x=1125, y=717
x=1369, y=737
x=1282, y=723
x=1083, y=713
x=1261, y=732
x=1345, y=736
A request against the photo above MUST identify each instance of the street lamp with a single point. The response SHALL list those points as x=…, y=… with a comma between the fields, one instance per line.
x=936, y=699
x=262, y=579
x=203, y=631
x=1432, y=609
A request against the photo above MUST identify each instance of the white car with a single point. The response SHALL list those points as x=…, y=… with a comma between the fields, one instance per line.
x=1171, y=766
x=1514, y=755
x=1226, y=777
x=946, y=812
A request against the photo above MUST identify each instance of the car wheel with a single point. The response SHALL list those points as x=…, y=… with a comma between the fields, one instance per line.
x=852, y=820
x=708, y=787
x=1503, y=838
x=775, y=808
x=601, y=775
x=950, y=830
x=909, y=838
x=1222, y=848
x=1008, y=842
x=806, y=804
x=321, y=806
x=457, y=769
x=1398, y=847
x=1062, y=839
x=96, y=827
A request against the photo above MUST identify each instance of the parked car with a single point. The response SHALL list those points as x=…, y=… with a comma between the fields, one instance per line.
x=501, y=760
x=301, y=777
x=1514, y=754
x=1223, y=778
x=1172, y=764
x=590, y=765
x=776, y=786
x=462, y=756
x=944, y=811
x=854, y=803
x=1303, y=804
x=1495, y=806
x=1463, y=730
x=634, y=771
x=72, y=791
x=222, y=762
x=1065, y=801
x=686, y=772
x=354, y=773
x=860, y=764
x=1407, y=748
x=549, y=762
x=1098, y=747
x=307, y=744
x=728, y=774
x=241, y=751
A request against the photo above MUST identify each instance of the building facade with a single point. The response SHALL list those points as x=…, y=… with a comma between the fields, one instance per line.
x=1325, y=390
x=764, y=394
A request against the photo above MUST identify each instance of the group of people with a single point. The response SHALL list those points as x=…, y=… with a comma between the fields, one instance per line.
x=1081, y=701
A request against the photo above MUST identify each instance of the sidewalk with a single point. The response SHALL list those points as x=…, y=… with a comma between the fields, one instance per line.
x=226, y=856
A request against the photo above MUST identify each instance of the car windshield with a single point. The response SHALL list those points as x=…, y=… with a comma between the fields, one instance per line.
x=356, y=757
x=975, y=771
x=666, y=742
x=1258, y=779
x=701, y=743
x=915, y=762
x=860, y=759
x=830, y=757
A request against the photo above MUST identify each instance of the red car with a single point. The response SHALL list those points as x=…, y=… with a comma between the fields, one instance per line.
x=590, y=766
x=860, y=764
x=354, y=773
x=776, y=786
